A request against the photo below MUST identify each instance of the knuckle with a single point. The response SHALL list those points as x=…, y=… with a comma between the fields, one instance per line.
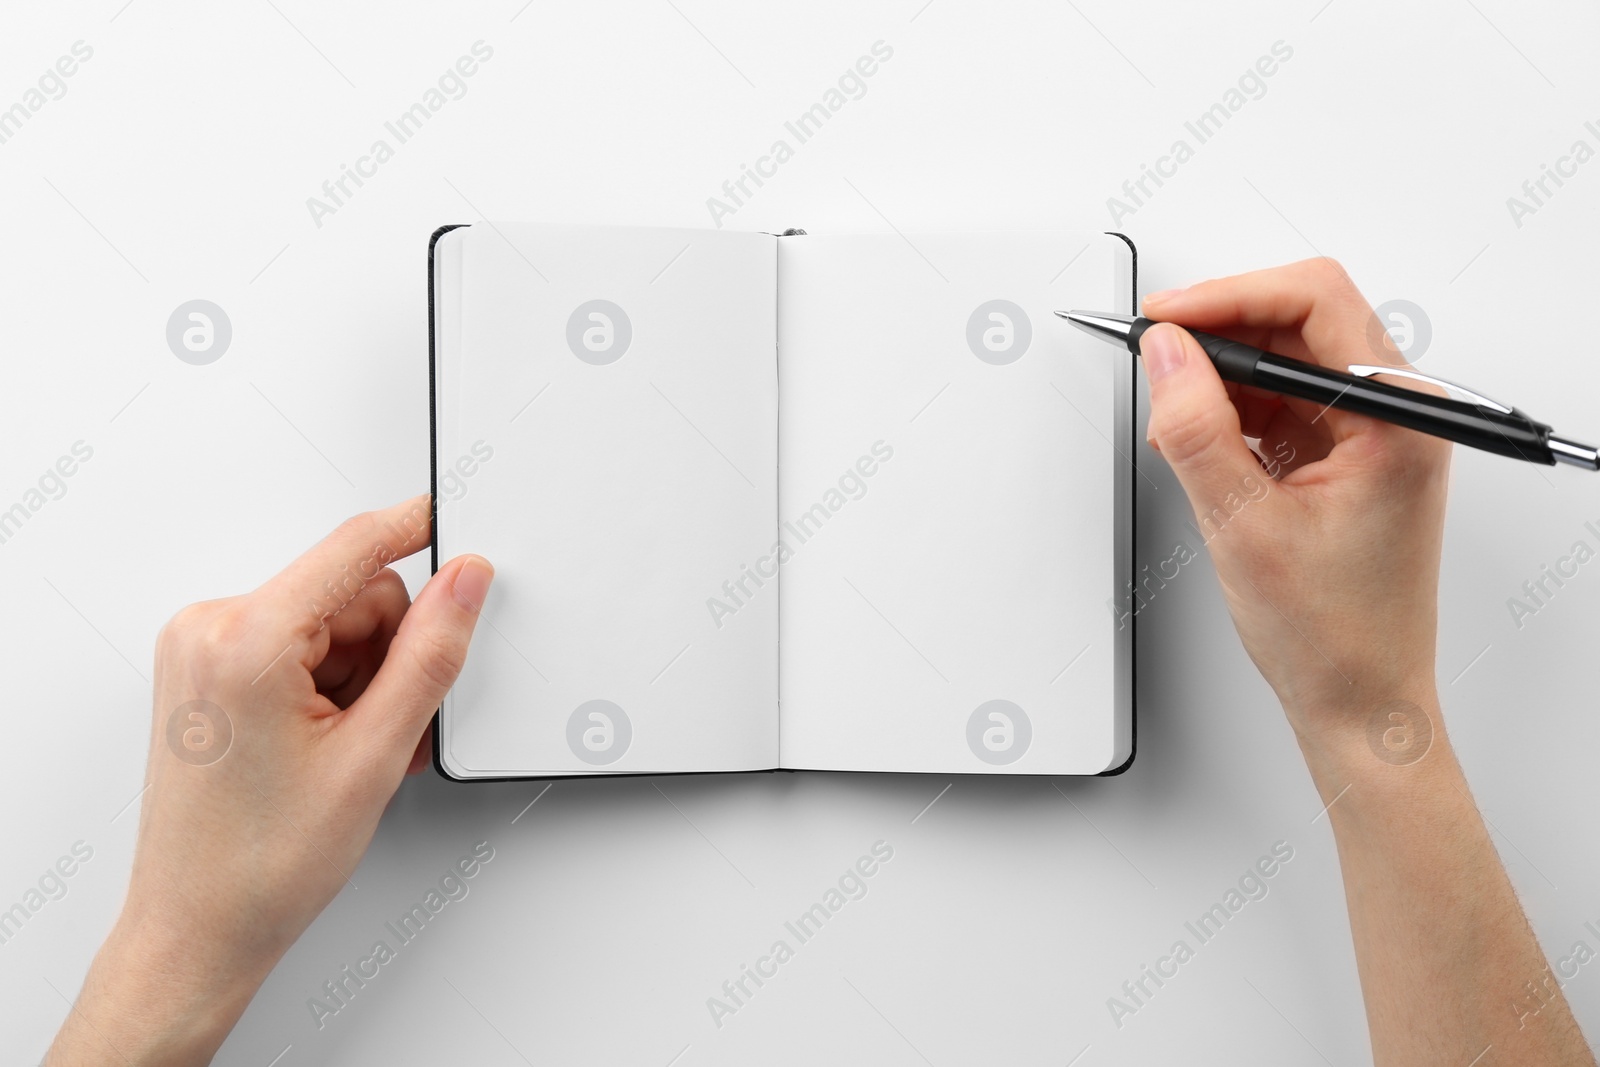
x=214, y=631
x=387, y=583
x=231, y=625
x=384, y=596
x=1329, y=275
x=356, y=528
x=228, y=631
x=437, y=659
x=1186, y=432
x=1328, y=268
x=184, y=627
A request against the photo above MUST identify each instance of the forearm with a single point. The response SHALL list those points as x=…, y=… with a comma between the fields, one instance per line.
x=1449, y=965
x=154, y=997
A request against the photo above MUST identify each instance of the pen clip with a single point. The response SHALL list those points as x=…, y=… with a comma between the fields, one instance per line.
x=1456, y=392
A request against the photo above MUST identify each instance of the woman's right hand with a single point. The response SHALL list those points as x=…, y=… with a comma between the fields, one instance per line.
x=1327, y=544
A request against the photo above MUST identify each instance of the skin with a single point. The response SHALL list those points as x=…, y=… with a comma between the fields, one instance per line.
x=1347, y=641
x=329, y=711
x=330, y=699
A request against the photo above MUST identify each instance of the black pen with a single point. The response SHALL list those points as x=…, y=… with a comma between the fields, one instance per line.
x=1465, y=417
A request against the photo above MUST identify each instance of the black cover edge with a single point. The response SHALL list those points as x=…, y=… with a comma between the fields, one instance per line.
x=433, y=472
x=1133, y=525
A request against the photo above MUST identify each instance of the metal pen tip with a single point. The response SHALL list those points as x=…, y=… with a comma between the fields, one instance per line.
x=1101, y=324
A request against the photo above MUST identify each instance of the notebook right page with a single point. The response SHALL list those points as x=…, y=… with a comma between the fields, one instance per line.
x=955, y=494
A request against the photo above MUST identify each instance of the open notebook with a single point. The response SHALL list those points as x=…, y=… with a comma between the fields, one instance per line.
x=851, y=502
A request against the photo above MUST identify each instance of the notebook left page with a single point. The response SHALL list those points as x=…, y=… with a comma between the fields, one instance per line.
x=606, y=435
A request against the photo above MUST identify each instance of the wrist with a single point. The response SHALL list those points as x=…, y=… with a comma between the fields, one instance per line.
x=1384, y=745
x=155, y=997
x=1394, y=721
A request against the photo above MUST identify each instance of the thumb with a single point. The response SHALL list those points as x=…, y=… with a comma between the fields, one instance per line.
x=1192, y=419
x=425, y=656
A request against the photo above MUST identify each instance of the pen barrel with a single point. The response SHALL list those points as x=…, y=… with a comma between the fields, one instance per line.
x=1513, y=435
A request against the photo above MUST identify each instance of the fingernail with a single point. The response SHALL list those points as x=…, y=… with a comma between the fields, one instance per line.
x=1162, y=350
x=1160, y=295
x=471, y=584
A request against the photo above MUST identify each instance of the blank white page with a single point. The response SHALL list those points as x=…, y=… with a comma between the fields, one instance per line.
x=617, y=464
x=949, y=611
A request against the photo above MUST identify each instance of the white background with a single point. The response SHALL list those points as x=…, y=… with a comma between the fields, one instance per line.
x=177, y=166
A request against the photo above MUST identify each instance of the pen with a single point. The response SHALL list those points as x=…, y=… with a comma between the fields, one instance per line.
x=1465, y=417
